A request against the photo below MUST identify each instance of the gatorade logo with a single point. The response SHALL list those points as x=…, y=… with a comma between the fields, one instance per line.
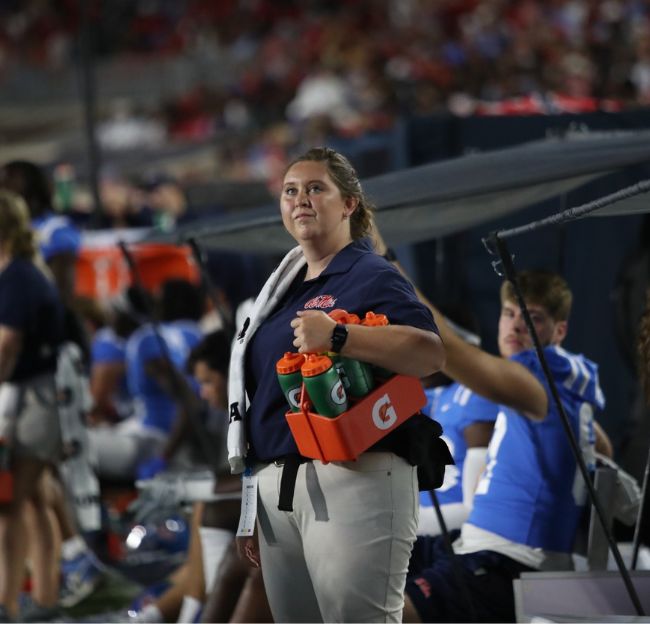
x=320, y=302
x=337, y=394
x=294, y=397
x=383, y=413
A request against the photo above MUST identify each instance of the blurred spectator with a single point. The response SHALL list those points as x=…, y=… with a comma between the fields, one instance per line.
x=448, y=44
x=322, y=92
x=154, y=355
x=59, y=242
x=31, y=326
x=333, y=70
x=123, y=204
x=58, y=239
x=165, y=199
x=108, y=384
x=640, y=71
x=124, y=129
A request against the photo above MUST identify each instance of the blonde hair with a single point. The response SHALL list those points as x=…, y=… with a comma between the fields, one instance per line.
x=15, y=226
x=346, y=180
x=543, y=288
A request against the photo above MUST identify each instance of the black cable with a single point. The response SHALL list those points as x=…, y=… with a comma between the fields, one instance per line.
x=510, y=274
x=180, y=386
x=226, y=314
x=641, y=515
x=455, y=565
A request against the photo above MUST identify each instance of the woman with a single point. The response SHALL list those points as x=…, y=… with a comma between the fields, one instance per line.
x=342, y=553
x=30, y=326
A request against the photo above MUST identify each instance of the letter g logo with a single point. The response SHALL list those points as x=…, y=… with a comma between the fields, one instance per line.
x=383, y=413
x=294, y=397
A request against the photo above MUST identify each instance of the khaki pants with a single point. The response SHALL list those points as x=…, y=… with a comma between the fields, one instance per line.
x=343, y=553
x=37, y=432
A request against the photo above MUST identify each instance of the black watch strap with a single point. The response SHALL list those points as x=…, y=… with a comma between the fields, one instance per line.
x=339, y=336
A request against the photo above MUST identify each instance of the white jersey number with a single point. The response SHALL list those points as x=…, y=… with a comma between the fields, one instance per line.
x=500, y=426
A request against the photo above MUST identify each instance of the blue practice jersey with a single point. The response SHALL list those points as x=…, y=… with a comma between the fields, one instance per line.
x=156, y=407
x=531, y=491
x=455, y=407
x=56, y=234
x=109, y=348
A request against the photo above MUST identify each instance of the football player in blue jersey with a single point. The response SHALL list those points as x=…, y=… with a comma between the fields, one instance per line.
x=153, y=354
x=112, y=399
x=467, y=420
x=530, y=497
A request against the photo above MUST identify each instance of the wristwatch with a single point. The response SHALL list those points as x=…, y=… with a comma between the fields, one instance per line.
x=339, y=336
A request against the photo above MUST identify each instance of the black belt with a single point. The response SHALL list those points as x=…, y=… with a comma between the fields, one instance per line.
x=289, y=464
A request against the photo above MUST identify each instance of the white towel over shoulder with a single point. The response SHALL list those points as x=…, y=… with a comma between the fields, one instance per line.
x=276, y=286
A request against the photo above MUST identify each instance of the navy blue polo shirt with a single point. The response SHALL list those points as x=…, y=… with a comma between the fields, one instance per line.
x=357, y=280
x=30, y=304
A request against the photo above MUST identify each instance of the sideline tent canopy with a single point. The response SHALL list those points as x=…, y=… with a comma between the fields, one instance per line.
x=441, y=198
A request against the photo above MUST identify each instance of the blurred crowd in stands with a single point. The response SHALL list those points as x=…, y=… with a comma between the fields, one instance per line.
x=277, y=76
x=367, y=59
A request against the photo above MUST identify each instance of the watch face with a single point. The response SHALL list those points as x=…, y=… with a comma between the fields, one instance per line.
x=339, y=336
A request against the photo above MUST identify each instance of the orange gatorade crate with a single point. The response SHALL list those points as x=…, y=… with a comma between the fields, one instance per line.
x=349, y=434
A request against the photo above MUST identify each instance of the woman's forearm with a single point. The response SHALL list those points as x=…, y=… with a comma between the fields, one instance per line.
x=402, y=349
x=399, y=348
x=497, y=379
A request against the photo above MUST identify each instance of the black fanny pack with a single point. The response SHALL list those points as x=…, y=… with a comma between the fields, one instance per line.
x=418, y=441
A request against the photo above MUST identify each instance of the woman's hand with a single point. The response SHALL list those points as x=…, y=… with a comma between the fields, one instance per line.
x=313, y=331
x=400, y=348
x=248, y=550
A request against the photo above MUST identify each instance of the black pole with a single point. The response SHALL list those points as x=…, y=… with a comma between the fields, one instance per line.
x=88, y=92
x=226, y=314
x=508, y=266
x=641, y=515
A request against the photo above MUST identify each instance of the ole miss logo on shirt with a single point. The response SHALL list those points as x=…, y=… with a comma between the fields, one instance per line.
x=321, y=302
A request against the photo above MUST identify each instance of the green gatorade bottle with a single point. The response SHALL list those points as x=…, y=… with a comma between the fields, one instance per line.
x=290, y=378
x=324, y=386
x=357, y=374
